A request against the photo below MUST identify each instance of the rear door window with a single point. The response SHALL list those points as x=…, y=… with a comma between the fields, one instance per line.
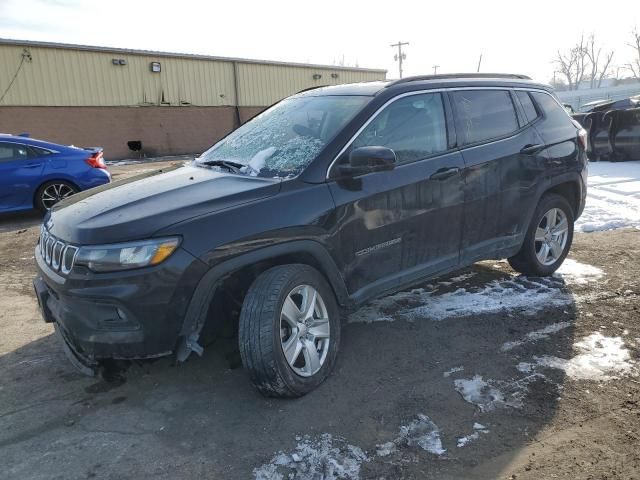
x=12, y=151
x=483, y=115
x=414, y=127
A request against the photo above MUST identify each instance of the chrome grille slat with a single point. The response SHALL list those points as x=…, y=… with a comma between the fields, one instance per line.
x=56, y=253
x=48, y=249
x=68, y=258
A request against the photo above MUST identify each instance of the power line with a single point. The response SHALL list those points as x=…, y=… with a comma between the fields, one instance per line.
x=25, y=56
x=400, y=56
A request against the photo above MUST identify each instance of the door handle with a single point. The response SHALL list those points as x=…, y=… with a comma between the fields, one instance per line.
x=531, y=149
x=445, y=173
x=32, y=165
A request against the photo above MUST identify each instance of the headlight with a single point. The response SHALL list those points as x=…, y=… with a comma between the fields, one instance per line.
x=125, y=256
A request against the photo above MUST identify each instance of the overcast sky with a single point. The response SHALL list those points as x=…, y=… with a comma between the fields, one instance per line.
x=516, y=37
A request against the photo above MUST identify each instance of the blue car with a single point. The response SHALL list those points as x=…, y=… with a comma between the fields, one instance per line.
x=38, y=174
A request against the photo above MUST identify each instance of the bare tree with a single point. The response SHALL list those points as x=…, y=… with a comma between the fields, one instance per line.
x=572, y=64
x=598, y=68
x=634, y=66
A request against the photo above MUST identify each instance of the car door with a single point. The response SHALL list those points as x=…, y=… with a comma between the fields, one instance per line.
x=20, y=171
x=502, y=163
x=400, y=225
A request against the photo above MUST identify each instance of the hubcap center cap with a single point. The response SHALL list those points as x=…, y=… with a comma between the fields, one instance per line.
x=302, y=329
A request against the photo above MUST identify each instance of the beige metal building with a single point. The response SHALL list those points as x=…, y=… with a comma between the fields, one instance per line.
x=171, y=103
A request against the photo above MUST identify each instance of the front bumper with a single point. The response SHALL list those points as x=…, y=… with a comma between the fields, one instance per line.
x=122, y=315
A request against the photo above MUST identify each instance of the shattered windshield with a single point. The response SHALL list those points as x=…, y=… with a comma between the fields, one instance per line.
x=283, y=140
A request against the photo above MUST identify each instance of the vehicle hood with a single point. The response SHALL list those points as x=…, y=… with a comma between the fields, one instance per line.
x=138, y=207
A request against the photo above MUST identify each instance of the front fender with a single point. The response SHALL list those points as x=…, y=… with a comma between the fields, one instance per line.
x=198, y=307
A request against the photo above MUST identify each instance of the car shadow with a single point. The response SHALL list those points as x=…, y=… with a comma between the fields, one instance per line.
x=203, y=417
x=11, y=222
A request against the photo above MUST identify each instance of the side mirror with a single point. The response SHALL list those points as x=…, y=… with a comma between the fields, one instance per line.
x=365, y=160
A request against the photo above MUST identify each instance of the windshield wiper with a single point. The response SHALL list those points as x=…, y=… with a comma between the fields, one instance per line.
x=233, y=167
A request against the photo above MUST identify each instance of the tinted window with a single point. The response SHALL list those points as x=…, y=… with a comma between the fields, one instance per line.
x=38, y=152
x=414, y=127
x=10, y=151
x=555, y=115
x=484, y=114
x=528, y=106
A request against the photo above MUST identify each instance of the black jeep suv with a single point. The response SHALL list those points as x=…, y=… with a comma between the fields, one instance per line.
x=329, y=198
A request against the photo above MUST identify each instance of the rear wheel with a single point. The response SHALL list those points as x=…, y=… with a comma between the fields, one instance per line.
x=52, y=192
x=289, y=331
x=548, y=238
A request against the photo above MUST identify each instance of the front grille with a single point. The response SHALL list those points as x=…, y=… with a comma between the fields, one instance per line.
x=56, y=253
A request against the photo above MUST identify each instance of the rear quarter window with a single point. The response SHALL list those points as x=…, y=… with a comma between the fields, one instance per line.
x=527, y=105
x=484, y=115
x=556, y=124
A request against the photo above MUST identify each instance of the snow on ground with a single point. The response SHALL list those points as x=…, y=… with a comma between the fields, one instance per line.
x=598, y=358
x=466, y=440
x=577, y=273
x=452, y=370
x=514, y=293
x=421, y=432
x=327, y=457
x=613, y=197
x=488, y=395
x=536, y=335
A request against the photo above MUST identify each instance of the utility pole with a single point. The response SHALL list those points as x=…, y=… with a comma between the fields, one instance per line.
x=400, y=56
x=435, y=69
x=479, y=63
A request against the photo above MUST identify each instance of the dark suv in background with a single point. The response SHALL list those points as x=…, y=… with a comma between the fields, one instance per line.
x=329, y=198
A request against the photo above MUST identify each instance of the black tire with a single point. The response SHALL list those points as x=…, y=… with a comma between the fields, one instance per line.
x=42, y=201
x=260, y=335
x=526, y=261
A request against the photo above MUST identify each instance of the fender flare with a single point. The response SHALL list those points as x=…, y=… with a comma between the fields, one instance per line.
x=203, y=295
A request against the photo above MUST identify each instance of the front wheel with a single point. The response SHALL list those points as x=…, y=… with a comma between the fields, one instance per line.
x=548, y=238
x=289, y=331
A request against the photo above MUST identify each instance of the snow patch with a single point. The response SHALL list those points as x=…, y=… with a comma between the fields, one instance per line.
x=573, y=272
x=386, y=449
x=518, y=292
x=258, y=161
x=453, y=370
x=466, y=440
x=489, y=395
x=599, y=358
x=421, y=432
x=328, y=458
x=535, y=336
x=613, y=197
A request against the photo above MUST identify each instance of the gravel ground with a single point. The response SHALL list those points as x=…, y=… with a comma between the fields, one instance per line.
x=499, y=376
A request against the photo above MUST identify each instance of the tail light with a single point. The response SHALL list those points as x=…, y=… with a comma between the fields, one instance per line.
x=96, y=160
x=582, y=134
x=582, y=137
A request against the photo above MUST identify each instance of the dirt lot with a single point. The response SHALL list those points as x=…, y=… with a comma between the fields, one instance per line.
x=481, y=375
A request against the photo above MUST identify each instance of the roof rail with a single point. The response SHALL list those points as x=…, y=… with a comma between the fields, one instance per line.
x=458, y=75
x=310, y=88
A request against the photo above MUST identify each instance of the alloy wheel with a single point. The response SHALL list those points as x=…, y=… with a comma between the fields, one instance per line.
x=551, y=236
x=54, y=193
x=304, y=330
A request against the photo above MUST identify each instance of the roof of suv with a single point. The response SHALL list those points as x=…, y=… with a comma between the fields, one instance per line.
x=424, y=82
